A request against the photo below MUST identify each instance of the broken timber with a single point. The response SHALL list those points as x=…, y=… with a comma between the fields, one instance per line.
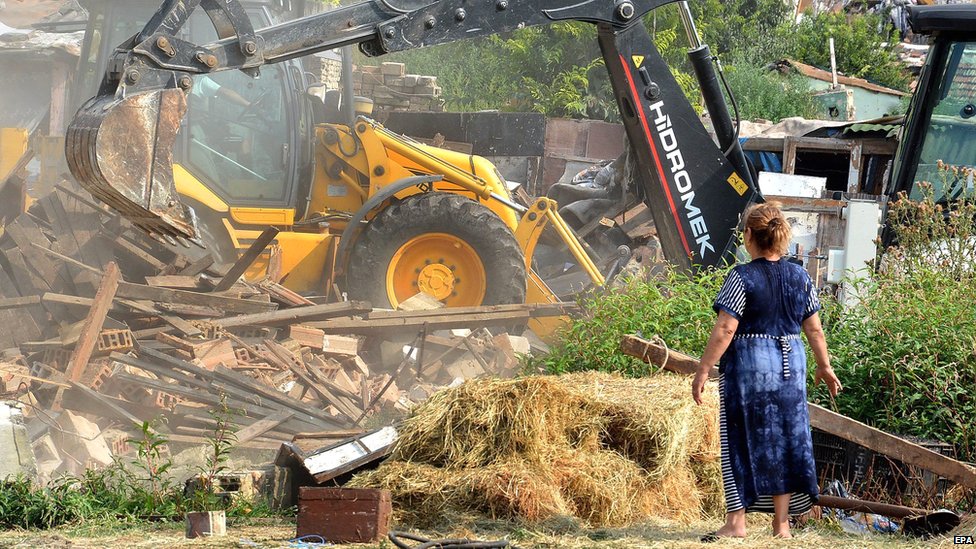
x=821, y=418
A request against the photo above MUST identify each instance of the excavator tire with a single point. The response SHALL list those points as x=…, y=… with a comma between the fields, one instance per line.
x=443, y=244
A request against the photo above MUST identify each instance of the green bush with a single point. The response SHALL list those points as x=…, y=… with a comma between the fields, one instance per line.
x=676, y=307
x=863, y=44
x=906, y=352
x=762, y=93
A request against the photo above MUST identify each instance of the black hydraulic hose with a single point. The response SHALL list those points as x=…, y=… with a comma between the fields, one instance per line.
x=445, y=543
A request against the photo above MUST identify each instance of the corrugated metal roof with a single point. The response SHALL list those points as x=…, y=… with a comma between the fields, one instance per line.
x=888, y=130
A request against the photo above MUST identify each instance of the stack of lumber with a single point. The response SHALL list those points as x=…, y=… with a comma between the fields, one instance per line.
x=109, y=328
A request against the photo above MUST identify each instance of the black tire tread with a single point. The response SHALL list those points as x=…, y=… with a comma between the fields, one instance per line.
x=437, y=212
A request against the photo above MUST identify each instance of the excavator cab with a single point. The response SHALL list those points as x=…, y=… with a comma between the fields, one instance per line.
x=245, y=141
x=940, y=129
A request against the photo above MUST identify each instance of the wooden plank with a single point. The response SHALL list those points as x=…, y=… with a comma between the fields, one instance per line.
x=327, y=343
x=15, y=302
x=129, y=290
x=198, y=266
x=68, y=260
x=146, y=307
x=286, y=359
x=870, y=146
x=823, y=419
x=262, y=426
x=245, y=261
x=892, y=446
x=244, y=382
x=534, y=309
x=180, y=282
x=296, y=314
x=129, y=248
x=789, y=154
x=284, y=295
x=239, y=384
x=397, y=325
x=27, y=280
x=24, y=233
x=93, y=322
x=106, y=407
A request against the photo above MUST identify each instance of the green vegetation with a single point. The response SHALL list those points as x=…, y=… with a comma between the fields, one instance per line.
x=676, y=308
x=862, y=44
x=131, y=491
x=769, y=95
x=907, y=352
x=557, y=69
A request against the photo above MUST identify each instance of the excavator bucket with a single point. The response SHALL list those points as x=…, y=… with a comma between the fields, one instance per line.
x=121, y=151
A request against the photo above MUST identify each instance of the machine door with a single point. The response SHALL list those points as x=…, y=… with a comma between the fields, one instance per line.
x=946, y=127
x=241, y=133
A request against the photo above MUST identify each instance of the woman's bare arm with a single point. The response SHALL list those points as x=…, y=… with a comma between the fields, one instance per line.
x=818, y=342
x=718, y=342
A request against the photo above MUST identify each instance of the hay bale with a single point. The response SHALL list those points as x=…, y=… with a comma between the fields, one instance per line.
x=603, y=487
x=514, y=489
x=598, y=447
x=653, y=420
x=486, y=420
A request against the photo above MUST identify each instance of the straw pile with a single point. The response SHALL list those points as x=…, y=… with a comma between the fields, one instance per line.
x=598, y=447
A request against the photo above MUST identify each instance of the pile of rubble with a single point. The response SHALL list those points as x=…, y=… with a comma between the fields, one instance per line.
x=107, y=328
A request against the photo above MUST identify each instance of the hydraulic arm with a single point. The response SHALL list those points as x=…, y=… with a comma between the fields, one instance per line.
x=119, y=145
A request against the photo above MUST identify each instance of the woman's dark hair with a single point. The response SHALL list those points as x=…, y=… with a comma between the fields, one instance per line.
x=770, y=230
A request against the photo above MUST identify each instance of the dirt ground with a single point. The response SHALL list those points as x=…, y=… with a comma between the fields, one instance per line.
x=279, y=533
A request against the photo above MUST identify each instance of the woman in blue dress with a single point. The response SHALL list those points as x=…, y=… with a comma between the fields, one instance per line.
x=767, y=452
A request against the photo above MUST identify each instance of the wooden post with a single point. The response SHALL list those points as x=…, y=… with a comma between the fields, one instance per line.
x=854, y=172
x=789, y=155
x=91, y=328
x=252, y=253
x=93, y=323
x=821, y=418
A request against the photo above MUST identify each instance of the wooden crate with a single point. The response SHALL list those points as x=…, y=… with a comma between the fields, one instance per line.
x=344, y=515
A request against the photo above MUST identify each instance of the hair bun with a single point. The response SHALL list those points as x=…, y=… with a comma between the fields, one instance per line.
x=773, y=223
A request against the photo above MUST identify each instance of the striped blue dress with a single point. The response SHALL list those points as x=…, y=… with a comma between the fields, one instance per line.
x=765, y=426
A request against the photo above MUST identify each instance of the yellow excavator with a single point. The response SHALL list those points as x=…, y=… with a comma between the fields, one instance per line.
x=378, y=214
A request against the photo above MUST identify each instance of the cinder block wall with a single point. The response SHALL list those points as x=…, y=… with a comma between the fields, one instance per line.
x=388, y=85
x=391, y=88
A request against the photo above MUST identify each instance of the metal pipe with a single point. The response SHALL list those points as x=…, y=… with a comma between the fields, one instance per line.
x=886, y=509
x=688, y=22
x=833, y=64
x=348, y=101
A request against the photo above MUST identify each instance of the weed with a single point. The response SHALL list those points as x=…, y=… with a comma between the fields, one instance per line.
x=220, y=442
x=155, y=484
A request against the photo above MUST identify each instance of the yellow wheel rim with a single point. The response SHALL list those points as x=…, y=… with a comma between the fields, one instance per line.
x=438, y=264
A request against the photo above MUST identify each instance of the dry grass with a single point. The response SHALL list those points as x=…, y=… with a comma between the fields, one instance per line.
x=599, y=448
x=649, y=535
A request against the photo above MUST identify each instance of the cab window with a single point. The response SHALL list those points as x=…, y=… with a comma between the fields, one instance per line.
x=951, y=134
x=237, y=128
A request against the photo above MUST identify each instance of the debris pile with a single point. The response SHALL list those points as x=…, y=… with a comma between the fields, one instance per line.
x=106, y=328
x=600, y=448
